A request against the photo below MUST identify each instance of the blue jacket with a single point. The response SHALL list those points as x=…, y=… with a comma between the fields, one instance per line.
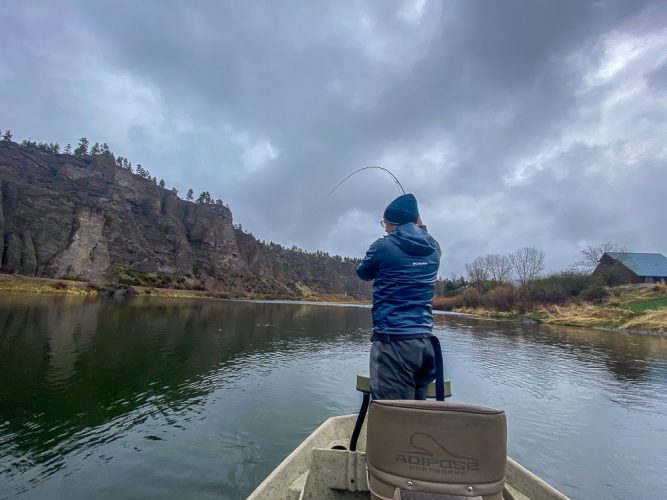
x=404, y=265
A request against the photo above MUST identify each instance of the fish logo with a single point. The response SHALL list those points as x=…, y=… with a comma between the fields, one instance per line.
x=428, y=454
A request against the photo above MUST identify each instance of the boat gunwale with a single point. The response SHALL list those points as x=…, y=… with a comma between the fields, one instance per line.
x=278, y=482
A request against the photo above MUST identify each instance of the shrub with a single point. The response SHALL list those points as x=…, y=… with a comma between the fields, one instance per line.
x=471, y=297
x=502, y=298
x=571, y=282
x=594, y=293
x=546, y=292
x=446, y=303
x=59, y=285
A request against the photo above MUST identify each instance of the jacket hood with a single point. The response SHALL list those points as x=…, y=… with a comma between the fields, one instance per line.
x=413, y=240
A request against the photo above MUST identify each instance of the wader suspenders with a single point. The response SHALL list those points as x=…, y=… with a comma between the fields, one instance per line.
x=439, y=391
x=439, y=369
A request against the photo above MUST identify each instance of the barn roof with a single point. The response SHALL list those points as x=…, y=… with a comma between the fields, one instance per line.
x=642, y=264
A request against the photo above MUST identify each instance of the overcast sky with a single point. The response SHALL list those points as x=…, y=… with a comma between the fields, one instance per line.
x=532, y=123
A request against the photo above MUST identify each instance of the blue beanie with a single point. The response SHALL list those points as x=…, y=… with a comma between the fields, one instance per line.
x=402, y=210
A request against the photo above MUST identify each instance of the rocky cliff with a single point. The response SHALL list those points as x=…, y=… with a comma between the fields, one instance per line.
x=83, y=216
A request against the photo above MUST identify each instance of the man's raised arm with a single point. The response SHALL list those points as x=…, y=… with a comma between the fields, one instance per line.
x=368, y=267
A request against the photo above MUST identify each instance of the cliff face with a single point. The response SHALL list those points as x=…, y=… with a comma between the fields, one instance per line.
x=84, y=216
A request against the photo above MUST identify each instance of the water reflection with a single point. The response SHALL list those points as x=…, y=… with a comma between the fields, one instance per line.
x=162, y=398
x=72, y=363
x=628, y=357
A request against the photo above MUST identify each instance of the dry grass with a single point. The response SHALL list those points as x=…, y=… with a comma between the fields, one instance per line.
x=650, y=320
x=27, y=284
x=631, y=294
x=587, y=315
x=490, y=313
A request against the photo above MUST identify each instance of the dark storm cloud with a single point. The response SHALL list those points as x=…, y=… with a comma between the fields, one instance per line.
x=515, y=123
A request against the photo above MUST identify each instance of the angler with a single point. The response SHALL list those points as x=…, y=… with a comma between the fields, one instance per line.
x=404, y=265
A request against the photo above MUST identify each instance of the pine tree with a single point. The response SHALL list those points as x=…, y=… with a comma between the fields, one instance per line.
x=68, y=149
x=204, y=198
x=140, y=170
x=175, y=191
x=7, y=136
x=95, y=151
x=106, y=150
x=82, y=148
x=190, y=195
x=161, y=184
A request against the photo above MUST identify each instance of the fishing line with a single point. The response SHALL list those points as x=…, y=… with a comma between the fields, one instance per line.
x=398, y=184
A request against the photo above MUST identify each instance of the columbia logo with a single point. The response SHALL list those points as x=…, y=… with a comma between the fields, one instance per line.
x=419, y=263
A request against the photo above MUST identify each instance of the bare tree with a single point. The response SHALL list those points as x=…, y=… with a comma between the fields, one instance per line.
x=528, y=263
x=477, y=272
x=591, y=255
x=499, y=268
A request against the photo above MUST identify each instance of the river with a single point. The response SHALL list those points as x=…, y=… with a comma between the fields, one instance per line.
x=152, y=398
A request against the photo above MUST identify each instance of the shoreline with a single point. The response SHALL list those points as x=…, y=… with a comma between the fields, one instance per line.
x=16, y=283
x=597, y=317
x=492, y=316
x=600, y=319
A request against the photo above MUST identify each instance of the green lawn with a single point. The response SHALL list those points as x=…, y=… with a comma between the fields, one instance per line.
x=646, y=305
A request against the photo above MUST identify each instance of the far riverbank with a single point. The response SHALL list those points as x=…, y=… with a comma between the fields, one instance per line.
x=639, y=309
x=16, y=283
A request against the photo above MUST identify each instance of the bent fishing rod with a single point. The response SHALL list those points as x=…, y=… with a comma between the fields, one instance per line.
x=398, y=183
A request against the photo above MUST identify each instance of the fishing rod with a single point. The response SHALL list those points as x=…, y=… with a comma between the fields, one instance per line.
x=398, y=183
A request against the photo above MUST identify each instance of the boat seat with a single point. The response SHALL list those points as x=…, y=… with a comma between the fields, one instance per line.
x=422, y=450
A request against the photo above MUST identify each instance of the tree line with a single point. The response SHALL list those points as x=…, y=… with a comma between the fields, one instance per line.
x=526, y=265
x=277, y=248
x=84, y=149
x=522, y=266
x=516, y=282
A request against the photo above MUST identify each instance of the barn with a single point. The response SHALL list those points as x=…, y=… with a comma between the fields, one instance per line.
x=632, y=267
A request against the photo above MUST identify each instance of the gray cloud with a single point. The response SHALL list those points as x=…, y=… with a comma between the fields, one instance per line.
x=515, y=123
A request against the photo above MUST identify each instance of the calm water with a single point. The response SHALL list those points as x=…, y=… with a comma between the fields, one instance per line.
x=180, y=399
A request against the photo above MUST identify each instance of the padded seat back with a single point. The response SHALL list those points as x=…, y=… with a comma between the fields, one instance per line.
x=431, y=449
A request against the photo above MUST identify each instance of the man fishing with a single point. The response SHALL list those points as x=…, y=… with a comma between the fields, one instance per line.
x=404, y=265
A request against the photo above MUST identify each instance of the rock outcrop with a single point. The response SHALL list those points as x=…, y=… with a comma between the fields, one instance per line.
x=83, y=216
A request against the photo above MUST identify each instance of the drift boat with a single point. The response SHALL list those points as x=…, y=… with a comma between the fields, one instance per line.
x=418, y=450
